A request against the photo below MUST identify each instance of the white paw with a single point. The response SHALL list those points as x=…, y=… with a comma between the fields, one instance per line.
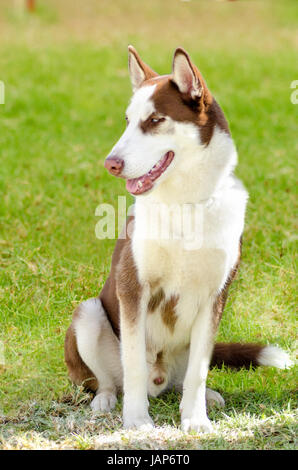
x=104, y=401
x=137, y=421
x=202, y=425
x=214, y=398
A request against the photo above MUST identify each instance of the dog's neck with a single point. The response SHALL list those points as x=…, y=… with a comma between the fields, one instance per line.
x=196, y=178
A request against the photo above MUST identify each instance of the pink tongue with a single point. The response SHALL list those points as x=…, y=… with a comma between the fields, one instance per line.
x=145, y=182
x=133, y=185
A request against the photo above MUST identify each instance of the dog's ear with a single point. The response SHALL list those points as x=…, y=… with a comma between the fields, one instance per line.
x=186, y=75
x=138, y=70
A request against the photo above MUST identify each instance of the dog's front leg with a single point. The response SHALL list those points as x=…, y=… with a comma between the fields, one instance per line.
x=135, y=373
x=193, y=404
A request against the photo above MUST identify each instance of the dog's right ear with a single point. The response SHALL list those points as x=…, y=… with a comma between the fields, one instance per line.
x=138, y=70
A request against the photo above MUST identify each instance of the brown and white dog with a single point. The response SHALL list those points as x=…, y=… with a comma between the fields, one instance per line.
x=153, y=325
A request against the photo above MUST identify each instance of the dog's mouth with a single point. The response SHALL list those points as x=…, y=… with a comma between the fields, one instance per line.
x=144, y=183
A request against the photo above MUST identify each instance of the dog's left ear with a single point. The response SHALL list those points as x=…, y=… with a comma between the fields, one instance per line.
x=138, y=70
x=185, y=75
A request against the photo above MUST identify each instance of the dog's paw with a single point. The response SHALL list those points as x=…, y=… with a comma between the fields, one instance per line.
x=104, y=402
x=214, y=398
x=202, y=425
x=137, y=421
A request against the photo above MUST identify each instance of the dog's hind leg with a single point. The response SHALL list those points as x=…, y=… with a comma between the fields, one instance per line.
x=99, y=351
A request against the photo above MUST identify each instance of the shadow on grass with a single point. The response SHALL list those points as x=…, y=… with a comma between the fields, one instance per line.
x=250, y=420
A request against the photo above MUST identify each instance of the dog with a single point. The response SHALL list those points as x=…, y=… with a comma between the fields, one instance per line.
x=153, y=325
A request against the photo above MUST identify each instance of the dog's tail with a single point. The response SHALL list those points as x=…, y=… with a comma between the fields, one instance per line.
x=238, y=355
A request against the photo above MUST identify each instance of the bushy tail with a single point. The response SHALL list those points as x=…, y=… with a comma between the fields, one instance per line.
x=239, y=355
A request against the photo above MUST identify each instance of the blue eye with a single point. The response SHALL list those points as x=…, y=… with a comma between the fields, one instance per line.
x=156, y=120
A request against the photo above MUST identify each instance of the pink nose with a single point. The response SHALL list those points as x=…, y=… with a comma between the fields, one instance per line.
x=114, y=165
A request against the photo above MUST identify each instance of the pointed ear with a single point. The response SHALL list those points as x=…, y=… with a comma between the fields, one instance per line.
x=138, y=70
x=185, y=74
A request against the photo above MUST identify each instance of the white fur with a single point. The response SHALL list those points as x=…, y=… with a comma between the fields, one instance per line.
x=134, y=142
x=94, y=338
x=141, y=151
x=100, y=350
x=198, y=175
x=135, y=402
x=274, y=356
x=137, y=74
x=184, y=76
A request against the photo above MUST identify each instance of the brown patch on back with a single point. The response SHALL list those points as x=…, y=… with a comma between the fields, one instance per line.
x=168, y=313
x=203, y=112
x=78, y=371
x=155, y=300
x=220, y=302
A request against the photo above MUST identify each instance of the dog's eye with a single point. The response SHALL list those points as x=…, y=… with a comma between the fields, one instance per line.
x=127, y=120
x=157, y=120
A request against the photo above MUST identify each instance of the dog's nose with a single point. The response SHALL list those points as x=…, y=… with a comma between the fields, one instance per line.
x=114, y=165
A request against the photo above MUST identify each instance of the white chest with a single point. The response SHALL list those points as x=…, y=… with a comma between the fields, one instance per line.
x=183, y=276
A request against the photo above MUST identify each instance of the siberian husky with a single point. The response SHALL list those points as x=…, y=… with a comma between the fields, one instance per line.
x=152, y=327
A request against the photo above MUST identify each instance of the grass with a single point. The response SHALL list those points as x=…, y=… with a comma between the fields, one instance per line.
x=66, y=89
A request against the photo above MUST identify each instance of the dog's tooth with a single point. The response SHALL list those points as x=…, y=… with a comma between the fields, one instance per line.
x=140, y=184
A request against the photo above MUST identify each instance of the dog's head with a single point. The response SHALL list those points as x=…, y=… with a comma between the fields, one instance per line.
x=169, y=117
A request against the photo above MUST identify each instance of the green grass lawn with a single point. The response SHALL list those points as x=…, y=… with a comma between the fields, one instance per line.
x=66, y=89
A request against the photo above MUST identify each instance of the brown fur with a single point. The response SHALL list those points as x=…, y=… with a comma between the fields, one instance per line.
x=123, y=284
x=221, y=299
x=159, y=368
x=236, y=355
x=148, y=72
x=155, y=300
x=204, y=112
x=128, y=288
x=149, y=125
x=159, y=359
x=108, y=295
x=168, y=313
x=77, y=369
